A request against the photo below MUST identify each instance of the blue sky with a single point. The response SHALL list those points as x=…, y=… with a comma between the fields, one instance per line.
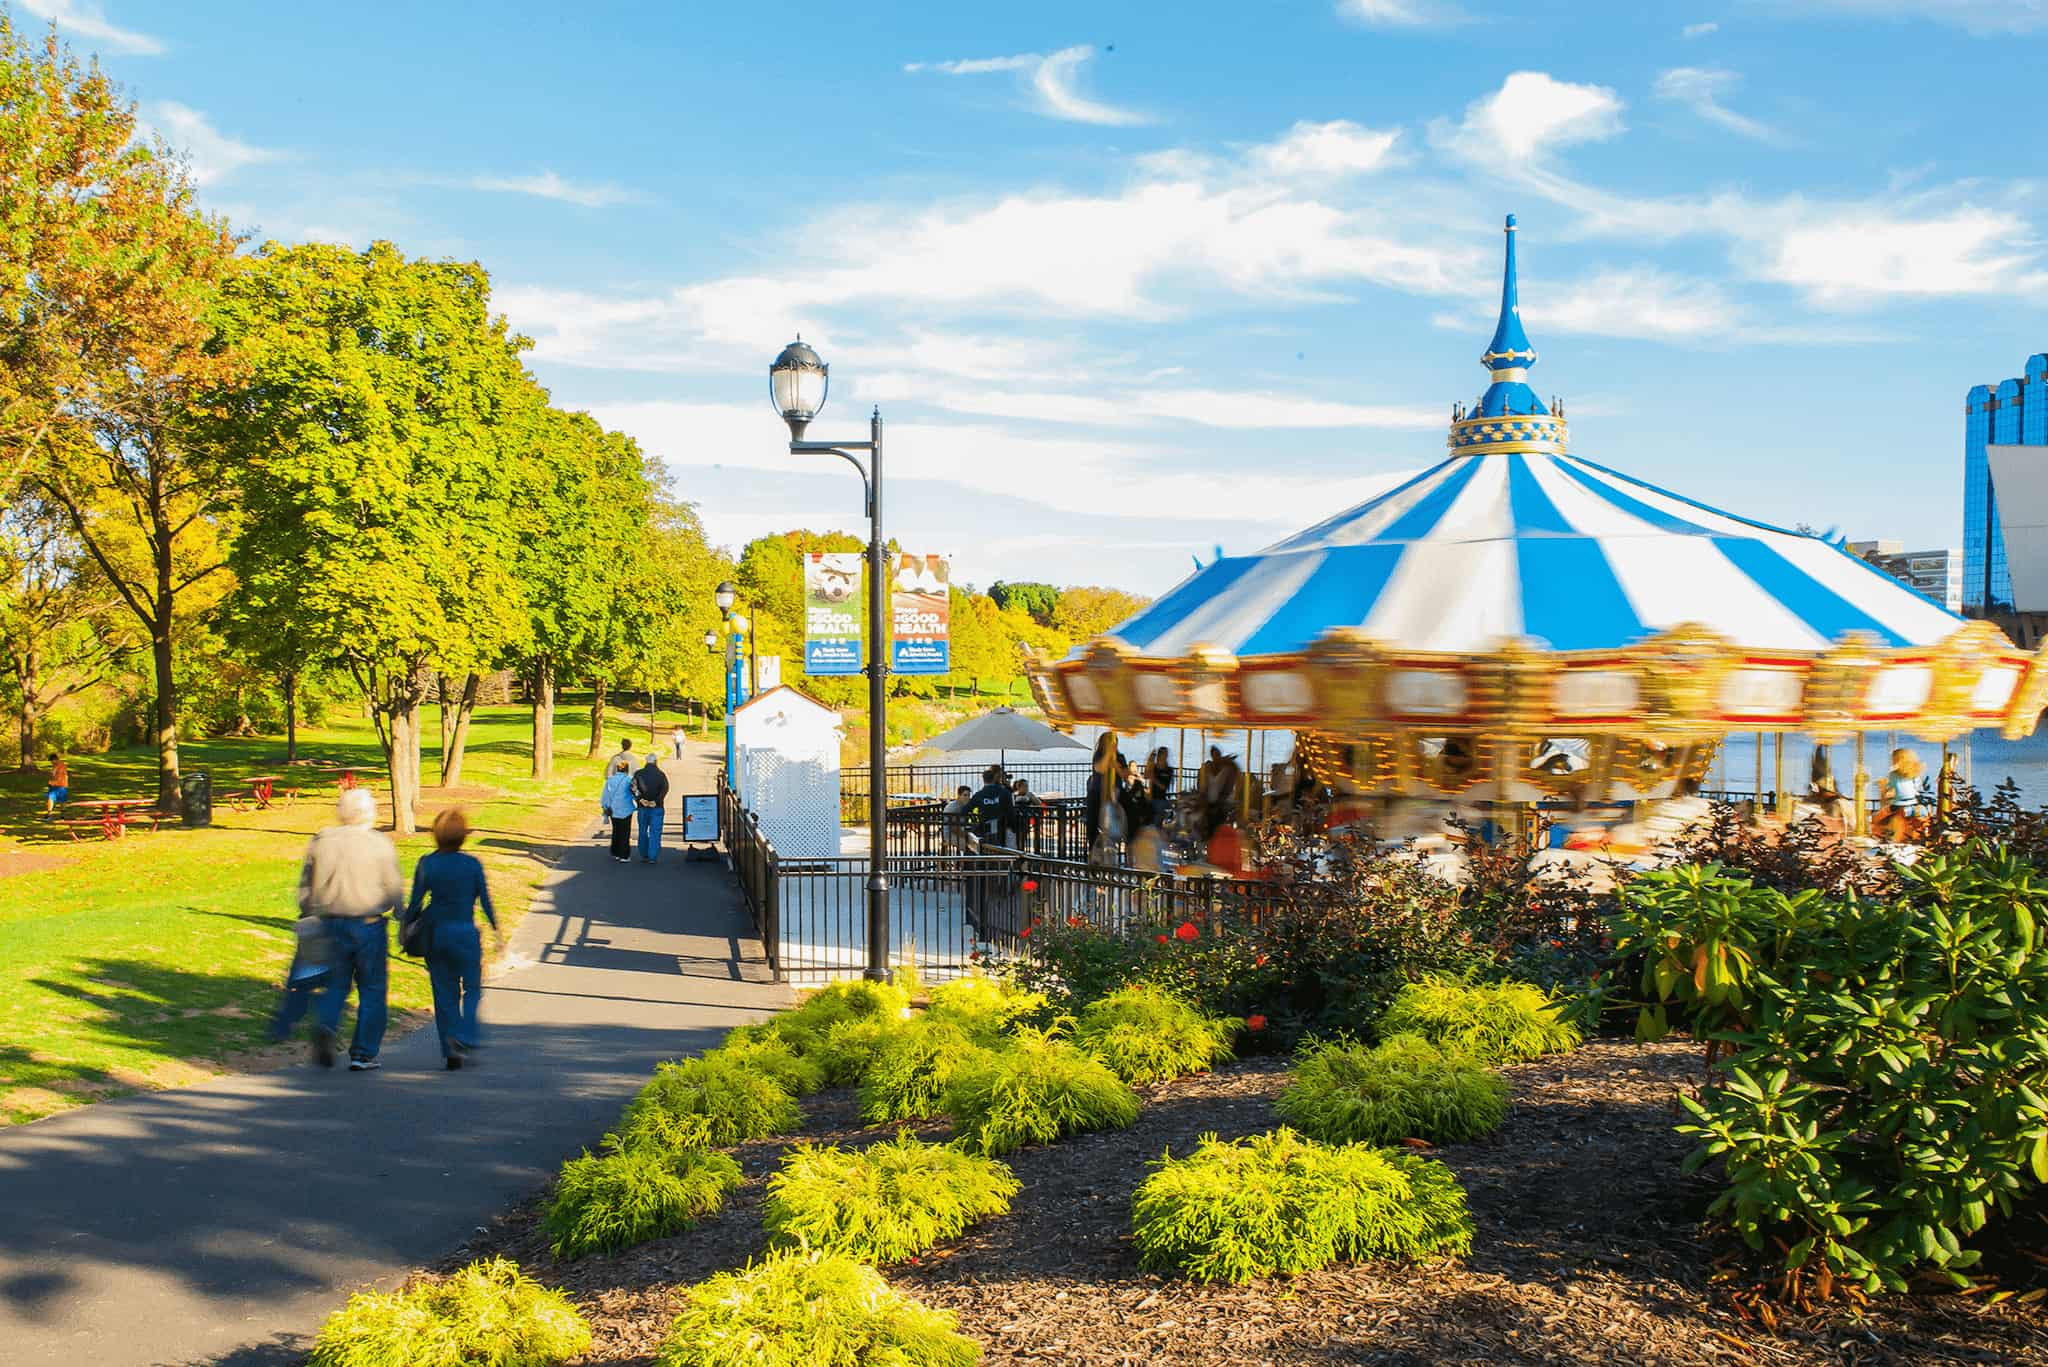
x=1134, y=281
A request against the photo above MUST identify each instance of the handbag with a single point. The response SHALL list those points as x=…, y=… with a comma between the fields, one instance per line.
x=416, y=936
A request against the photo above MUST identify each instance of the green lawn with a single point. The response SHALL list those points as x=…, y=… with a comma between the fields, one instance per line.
x=155, y=959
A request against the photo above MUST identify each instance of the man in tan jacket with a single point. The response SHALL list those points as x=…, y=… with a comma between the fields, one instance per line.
x=350, y=880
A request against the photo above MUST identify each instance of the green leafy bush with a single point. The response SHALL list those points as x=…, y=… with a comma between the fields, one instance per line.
x=885, y=1203
x=490, y=1314
x=985, y=1007
x=847, y=1048
x=1345, y=1093
x=1143, y=1035
x=807, y=1028
x=735, y=1102
x=1489, y=1023
x=798, y=1074
x=798, y=1309
x=1887, y=1096
x=1279, y=1204
x=625, y=1196
x=910, y=1071
x=1033, y=1092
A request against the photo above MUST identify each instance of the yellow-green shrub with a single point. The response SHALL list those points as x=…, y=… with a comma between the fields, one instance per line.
x=798, y=1309
x=490, y=1314
x=1346, y=1093
x=886, y=1202
x=1032, y=1092
x=1144, y=1035
x=1489, y=1023
x=908, y=1075
x=625, y=1196
x=735, y=1102
x=985, y=1007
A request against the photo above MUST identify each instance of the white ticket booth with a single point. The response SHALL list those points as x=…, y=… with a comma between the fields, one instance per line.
x=786, y=751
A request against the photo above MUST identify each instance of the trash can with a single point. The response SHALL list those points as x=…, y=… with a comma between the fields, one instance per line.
x=196, y=790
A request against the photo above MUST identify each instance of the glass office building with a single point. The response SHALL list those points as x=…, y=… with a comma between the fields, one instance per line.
x=2013, y=413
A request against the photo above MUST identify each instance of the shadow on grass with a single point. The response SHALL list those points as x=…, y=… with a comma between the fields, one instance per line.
x=177, y=1012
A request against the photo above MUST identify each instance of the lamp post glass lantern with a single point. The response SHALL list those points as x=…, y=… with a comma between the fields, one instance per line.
x=798, y=381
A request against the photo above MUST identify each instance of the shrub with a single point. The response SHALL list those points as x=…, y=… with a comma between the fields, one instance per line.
x=807, y=1027
x=1345, y=1093
x=908, y=1075
x=895, y=1199
x=736, y=1103
x=1279, y=1203
x=1489, y=1023
x=847, y=1049
x=985, y=1007
x=772, y=1056
x=798, y=1309
x=1143, y=1035
x=609, y=1201
x=1034, y=1091
x=1888, y=1092
x=490, y=1314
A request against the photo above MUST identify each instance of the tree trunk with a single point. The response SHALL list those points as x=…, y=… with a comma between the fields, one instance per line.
x=653, y=741
x=405, y=762
x=597, y=718
x=543, y=717
x=168, y=796
x=291, y=716
x=451, y=753
x=441, y=706
x=28, y=668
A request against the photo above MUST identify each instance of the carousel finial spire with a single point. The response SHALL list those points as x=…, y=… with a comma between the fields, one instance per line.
x=1510, y=349
x=1509, y=416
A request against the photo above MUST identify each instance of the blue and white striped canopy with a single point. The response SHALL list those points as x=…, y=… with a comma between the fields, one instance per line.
x=1539, y=545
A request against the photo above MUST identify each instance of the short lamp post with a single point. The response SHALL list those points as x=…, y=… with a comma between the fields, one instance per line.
x=736, y=631
x=797, y=384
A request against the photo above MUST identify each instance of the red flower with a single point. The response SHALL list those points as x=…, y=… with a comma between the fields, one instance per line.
x=1076, y=922
x=1162, y=939
x=1024, y=934
x=1259, y=962
x=1254, y=1022
x=1030, y=885
x=1187, y=931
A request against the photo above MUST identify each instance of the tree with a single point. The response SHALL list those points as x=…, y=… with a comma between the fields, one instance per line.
x=372, y=446
x=55, y=638
x=1088, y=611
x=1039, y=602
x=122, y=460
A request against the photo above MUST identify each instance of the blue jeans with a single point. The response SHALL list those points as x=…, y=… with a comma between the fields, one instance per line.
x=359, y=959
x=455, y=966
x=650, y=833
x=299, y=995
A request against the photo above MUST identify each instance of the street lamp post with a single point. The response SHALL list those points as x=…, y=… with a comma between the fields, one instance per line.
x=797, y=383
x=736, y=627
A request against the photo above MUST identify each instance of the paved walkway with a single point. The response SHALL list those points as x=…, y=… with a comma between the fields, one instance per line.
x=221, y=1223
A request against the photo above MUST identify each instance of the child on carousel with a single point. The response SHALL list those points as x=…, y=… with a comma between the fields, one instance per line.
x=1903, y=813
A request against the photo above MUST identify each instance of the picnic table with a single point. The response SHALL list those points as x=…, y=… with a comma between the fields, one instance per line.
x=112, y=816
x=262, y=791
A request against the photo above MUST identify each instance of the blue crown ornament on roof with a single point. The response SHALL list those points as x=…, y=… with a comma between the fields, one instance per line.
x=1508, y=416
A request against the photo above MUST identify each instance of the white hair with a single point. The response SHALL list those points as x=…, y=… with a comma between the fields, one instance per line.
x=356, y=807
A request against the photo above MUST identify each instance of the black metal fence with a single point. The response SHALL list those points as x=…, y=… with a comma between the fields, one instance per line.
x=914, y=784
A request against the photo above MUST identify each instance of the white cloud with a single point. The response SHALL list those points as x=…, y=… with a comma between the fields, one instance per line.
x=1699, y=30
x=210, y=154
x=1853, y=254
x=1401, y=13
x=1530, y=116
x=1054, y=86
x=1700, y=89
x=85, y=19
x=1152, y=406
x=549, y=185
x=1979, y=17
x=1337, y=148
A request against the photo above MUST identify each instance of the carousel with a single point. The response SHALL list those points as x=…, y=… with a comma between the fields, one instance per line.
x=1520, y=625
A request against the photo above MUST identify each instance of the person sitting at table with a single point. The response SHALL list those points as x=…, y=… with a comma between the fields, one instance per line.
x=60, y=785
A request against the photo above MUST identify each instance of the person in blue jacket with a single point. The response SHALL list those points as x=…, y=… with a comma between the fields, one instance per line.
x=447, y=888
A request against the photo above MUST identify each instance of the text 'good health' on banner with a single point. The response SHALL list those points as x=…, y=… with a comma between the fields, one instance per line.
x=832, y=612
x=920, y=613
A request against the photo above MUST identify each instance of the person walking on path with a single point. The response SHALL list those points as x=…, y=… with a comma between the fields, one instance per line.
x=625, y=757
x=650, y=791
x=676, y=738
x=60, y=784
x=350, y=880
x=617, y=805
x=447, y=888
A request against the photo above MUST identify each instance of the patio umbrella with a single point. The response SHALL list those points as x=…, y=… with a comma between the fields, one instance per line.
x=1441, y=637
x=1002, y=730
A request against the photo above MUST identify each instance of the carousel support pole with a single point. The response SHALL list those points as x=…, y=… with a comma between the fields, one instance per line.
x=1859, y=818
x=1941, y=785
x=1969, y=774
x=1758, y=805
x=1778, y=776
x=1244, y=781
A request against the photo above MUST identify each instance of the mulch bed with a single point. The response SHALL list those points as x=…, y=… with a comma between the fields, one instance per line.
x=1589, y=1248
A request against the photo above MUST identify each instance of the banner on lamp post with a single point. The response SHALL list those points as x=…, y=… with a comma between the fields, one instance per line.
x=920, y=615
x=832, y=612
